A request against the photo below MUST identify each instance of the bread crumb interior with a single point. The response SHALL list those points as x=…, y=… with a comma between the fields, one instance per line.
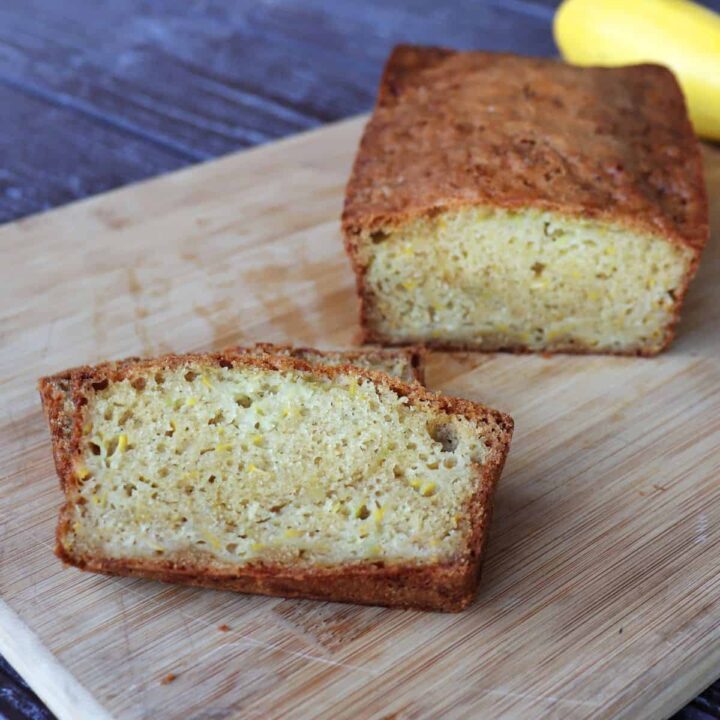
x=498, y=279
x=245, y=464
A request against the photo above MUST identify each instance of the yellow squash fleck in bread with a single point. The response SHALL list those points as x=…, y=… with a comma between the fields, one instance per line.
x=508, y=203
x=281, y=478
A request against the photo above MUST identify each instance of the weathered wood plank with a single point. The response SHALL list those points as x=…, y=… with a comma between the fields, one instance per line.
x=53, y=155
x=192, y=82
x=17, y=700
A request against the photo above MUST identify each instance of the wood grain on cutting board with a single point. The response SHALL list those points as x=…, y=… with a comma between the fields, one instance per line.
x=601, y=593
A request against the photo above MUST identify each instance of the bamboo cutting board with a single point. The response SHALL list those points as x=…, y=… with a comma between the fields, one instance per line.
x=601, y=592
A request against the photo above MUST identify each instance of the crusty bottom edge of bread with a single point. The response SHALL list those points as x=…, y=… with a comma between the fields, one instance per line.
x=439, y=588
x=371, y=337
x=447, y=586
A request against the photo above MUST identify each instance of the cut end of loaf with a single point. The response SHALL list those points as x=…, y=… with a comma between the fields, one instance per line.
x=407, y=367
x=492, y=279
x=406, y=364
x=236, y=464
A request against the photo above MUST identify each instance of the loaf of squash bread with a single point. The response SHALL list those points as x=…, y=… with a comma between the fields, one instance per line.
x=511, y=203
x=270, y=475
x=407, y=364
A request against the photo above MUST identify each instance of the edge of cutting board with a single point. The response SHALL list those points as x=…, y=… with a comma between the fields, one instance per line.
x=50, y=681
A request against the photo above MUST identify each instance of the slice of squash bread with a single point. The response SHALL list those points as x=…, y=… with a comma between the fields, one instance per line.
x=500, y=202
x=268, y=475
x=407, y=364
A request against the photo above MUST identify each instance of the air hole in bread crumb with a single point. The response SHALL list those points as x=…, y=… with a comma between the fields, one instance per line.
x=100, y=384
x=445, y=435
x=138, y=384
x=159, y=378
x=94, y=448
x=112, y=446
x=243, y=401
x=379, y=236
x=190, y=375
x=217, y=418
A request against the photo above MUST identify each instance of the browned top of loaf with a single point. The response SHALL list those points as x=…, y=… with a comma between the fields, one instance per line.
x=452, y=129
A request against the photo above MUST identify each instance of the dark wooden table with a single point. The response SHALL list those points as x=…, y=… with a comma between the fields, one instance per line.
x=97, y=95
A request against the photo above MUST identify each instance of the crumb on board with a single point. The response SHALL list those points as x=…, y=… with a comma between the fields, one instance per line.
x=170, y=677
x=224, y=628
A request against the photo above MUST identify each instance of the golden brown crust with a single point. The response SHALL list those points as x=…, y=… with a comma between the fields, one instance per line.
x=413, y=356
x=452, y=129
x=443, y=588
x=458, y=129
x=371, y=336
x=440, y=586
